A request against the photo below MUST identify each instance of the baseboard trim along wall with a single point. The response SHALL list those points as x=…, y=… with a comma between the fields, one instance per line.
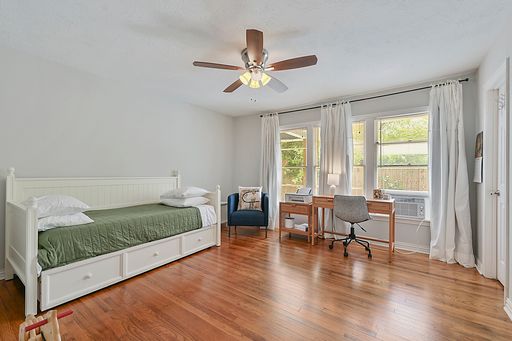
x=2, y=274
x=508, y=308
x=405, y=247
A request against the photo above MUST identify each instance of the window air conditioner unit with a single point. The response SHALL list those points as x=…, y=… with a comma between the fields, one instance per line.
x=409, y=206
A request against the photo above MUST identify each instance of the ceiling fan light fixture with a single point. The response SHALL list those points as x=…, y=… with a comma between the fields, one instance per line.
x=265, y=79
x=245, y=78
x=254, y=84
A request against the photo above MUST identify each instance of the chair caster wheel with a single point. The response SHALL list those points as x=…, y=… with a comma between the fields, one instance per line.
x=331, y=246
x=370, y=255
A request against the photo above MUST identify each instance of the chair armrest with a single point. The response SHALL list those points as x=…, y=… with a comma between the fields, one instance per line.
x=232, y=203
x=264, y=208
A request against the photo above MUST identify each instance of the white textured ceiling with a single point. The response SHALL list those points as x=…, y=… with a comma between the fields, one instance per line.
x=361, y=45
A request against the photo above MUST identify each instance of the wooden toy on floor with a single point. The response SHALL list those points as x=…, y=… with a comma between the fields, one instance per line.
x=42, y=327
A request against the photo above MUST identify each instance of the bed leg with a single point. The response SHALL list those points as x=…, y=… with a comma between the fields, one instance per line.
x=229, y=231
x=8, y=271
x=266, y=230
x=31, y=297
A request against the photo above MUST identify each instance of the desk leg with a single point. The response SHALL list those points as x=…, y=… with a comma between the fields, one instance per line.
x=333, y=226
x=323, y=222
x=391, y=245
x=280, y=223
x=394, y=230
x=314, y=219
x=311, y=230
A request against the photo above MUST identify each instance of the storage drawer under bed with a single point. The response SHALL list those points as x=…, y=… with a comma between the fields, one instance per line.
x=71, y=281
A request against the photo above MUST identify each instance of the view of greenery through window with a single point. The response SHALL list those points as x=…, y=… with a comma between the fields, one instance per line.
x=358, y=168
x=294, y=160
x=402, y=155
x=402, y=152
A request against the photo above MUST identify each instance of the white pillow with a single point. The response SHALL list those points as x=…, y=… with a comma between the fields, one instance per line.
x=51, y=222
x=185, y=192
x=57, y=205
x=185, y=202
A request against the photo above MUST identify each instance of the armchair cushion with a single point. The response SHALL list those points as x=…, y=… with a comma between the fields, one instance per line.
x=247, y=218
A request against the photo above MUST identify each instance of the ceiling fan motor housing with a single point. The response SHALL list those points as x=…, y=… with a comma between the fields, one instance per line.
x=249, y=64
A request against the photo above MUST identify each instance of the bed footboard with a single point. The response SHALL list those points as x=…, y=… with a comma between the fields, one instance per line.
x=215, y=202
x=21, y=250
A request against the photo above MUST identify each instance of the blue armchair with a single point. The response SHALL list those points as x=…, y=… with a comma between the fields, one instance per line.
x=247, y=217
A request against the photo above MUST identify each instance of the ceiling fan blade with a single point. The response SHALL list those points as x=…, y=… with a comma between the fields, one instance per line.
x=217, y=66
x=276, y=85
x=233, y=86
x=254, y=45
x=293, y=63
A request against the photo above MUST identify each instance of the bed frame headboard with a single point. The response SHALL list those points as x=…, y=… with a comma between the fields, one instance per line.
x=97, y=192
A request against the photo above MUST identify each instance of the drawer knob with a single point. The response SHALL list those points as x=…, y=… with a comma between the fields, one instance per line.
x=156, y=254
x=88, y=276
x=199, y=239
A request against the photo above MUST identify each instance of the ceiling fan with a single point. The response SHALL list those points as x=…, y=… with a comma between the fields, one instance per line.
x=256, y=69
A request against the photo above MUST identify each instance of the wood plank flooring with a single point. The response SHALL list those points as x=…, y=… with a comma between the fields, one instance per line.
x=252, y=288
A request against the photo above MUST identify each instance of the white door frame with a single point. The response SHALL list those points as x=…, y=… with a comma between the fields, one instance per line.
x=489, y=254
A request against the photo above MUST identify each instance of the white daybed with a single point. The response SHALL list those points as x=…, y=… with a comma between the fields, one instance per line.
x=65, y=283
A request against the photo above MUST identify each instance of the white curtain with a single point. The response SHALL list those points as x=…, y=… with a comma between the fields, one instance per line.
x=336, y=146
x=450, y=223
x=270, y=175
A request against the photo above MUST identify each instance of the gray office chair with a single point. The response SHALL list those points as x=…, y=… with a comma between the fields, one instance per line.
x=353, y=210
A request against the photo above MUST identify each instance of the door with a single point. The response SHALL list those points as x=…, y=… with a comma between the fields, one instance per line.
x=501, y=205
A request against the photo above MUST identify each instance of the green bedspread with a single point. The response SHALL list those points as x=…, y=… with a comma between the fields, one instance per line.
x=113, y=230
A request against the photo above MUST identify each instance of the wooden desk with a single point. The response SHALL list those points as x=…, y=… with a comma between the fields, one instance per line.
x=296, y=208
x=386, y=207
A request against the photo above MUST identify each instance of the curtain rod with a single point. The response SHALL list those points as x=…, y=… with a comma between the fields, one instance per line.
x=365, y=98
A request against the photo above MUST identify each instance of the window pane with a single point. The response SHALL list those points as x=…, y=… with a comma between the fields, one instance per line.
x=358, y=154
x=403, y=154
x=403, y=128
x=316, y=175
x=358, y=150
x=294, y=147
x=358, y=132
x=358, y=180
x=294, y=160
x=293, y=179
x=403, y=178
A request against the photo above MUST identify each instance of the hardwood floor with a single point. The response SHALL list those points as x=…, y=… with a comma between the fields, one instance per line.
x=252, y=288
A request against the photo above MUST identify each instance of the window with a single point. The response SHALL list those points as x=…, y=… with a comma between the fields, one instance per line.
x=358, y=157
x=316, y=165
x=294, y=160
x=402, y=152
x=300, y=154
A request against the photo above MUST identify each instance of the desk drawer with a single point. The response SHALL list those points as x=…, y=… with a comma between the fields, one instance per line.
x=379, y=207
x=295, y=208
x=323, y=201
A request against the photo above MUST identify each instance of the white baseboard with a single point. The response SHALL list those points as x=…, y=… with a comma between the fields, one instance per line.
x=508, y=308
x=2, y=274
x=412, y=247
x=406, y=247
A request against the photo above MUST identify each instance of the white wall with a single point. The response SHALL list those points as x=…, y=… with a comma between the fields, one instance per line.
x=247, y=150
x=500, y=50
x=57, y=121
